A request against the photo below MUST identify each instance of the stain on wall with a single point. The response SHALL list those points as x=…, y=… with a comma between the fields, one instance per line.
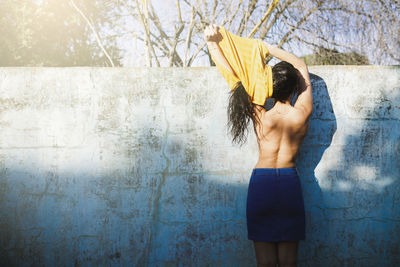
x=134, y=167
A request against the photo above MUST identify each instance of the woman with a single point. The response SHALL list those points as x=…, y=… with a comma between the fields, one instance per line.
x=275, y=207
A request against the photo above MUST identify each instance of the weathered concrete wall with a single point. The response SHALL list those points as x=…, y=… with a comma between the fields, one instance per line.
x=133, y=167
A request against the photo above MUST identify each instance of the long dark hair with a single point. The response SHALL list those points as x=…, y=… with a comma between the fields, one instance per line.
x=240, y=113
x=286, y=80
x=241, y=110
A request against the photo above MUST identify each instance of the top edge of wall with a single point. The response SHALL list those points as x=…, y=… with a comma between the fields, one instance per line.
x=203, y=67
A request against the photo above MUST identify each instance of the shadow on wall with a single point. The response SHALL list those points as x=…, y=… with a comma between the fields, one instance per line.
x=318, y=139
x=353, y=195
x=365, y=183
x=182, y=215
x=198, y=215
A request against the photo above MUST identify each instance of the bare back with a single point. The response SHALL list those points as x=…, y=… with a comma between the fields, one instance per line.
x=280, y=134
x=282, y=128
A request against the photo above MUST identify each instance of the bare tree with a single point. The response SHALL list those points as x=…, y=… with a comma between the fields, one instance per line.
x=171, y=30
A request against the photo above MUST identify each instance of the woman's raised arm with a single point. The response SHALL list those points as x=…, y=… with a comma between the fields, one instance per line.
x=212, y=37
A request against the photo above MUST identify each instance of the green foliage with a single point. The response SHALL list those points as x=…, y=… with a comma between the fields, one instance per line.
x=325, y=56
x=51, y=33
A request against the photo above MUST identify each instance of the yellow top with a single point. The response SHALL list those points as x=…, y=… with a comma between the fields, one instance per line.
x=246, y=57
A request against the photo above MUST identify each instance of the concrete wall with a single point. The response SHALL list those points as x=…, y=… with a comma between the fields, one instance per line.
x=133, y=167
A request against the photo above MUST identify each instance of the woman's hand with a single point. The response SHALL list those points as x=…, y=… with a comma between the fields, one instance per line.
x=213, y=37
x=212, y=34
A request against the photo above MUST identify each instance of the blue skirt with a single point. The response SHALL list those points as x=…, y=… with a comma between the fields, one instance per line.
x=275, y=205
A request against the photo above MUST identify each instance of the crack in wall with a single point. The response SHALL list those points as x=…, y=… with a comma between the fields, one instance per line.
x=157, y=203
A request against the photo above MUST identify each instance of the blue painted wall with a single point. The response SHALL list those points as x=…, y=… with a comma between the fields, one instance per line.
x=134, y=167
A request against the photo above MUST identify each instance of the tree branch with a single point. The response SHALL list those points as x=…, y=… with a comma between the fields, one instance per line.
x=264, y=18
x=146, y=27
x=189, y=37
x=94, y=31
x=301, y=21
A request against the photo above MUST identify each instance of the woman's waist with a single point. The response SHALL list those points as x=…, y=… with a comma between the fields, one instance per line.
x=273, y=162
x=277, y=171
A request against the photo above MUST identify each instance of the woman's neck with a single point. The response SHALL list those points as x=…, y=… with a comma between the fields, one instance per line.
x=279, y=103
